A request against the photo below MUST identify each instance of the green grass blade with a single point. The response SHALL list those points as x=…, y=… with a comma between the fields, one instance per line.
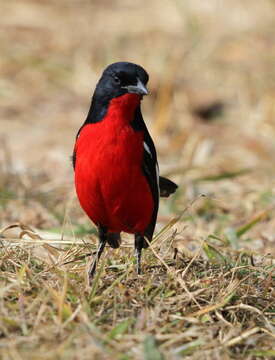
x=151, y=351
x=243, y=229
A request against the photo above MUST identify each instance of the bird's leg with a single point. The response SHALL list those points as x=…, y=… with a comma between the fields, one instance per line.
x=139, y=240
x=102, y=234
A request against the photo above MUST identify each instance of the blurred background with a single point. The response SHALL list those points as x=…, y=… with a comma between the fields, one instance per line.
x=211, y=109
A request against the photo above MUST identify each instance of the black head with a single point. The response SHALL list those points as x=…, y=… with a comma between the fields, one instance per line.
x=121, y=78
x=117, y=79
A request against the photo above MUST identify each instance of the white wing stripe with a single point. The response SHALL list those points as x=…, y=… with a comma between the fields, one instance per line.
x=157, y=173
x=146, y=147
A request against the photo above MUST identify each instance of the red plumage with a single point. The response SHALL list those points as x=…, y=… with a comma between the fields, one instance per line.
x=110, y=183
x=116, y=169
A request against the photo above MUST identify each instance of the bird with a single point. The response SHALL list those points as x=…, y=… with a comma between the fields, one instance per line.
x=115, y=162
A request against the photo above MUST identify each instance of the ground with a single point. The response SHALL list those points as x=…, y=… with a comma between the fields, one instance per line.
x=211, y=112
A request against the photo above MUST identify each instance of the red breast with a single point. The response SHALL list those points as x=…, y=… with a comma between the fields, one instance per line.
x=109, y=179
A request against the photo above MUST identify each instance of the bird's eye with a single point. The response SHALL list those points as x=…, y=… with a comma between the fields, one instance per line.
x=117, y=79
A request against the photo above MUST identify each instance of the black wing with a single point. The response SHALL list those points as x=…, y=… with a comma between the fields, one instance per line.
x=73, y=157
x=150, y=169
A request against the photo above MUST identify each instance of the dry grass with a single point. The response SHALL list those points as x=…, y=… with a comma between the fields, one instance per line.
x=212, y=114
x=215, y=306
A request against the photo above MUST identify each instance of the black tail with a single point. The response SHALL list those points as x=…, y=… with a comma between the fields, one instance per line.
x=166, y=186
x=114, y=240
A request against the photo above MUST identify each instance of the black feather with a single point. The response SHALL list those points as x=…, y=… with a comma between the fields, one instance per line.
x=166, y=186
x=149, y=167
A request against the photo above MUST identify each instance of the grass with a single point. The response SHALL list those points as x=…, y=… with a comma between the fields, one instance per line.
x=211, y=113
x=204, y=307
